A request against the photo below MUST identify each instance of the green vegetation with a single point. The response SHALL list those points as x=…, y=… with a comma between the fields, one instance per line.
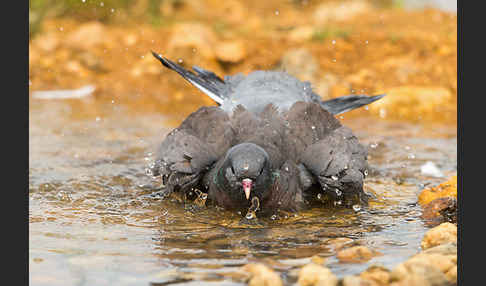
x=326, y=33
x=100, y=10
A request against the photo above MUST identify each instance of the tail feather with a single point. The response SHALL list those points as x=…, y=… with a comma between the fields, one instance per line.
x=206, y=81
x=343, y=104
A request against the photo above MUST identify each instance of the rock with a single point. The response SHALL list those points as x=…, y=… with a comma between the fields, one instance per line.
x=87, y=36
x=339, y=11
x=47, y=42
x=356, y=254
x=300, y=63
x=316, y=275
x=301, y=34
x=440, y=210
x=230, y=51
x=339, y=243
x=356, y=281
x=196, y=38
x=435, y=266
x=376, y=273
x=261, y=275
x=444, y=233
x=417, y=273
x=415, y=103
x=446, y=189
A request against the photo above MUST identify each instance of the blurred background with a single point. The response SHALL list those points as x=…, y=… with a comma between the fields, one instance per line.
x=402, y=47
x=100, y=103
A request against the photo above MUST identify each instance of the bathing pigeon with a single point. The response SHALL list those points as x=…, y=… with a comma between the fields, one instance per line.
x=271, y=138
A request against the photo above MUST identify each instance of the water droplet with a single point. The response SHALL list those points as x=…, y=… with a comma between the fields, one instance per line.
x=333, y=42
x=356, y=208
x=382, y=112
x=277, y=12
x=366, y=42
x=149, y=172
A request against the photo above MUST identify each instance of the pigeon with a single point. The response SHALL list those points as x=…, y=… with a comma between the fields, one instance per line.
x=270, y=139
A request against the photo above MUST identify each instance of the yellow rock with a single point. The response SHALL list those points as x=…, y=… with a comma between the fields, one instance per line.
x=446, y=189
x=441, y=234
x=261, y=275
x=377, y=274
x=357, y=281
x=356, y=254
x=417, y=273
x=197, y=37
x=316, y=275
x=230, y=51
x=87, y=36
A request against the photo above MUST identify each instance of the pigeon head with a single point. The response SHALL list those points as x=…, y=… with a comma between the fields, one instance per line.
x=244, y=174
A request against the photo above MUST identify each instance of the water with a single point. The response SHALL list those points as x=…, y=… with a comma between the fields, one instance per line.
x=91, y=221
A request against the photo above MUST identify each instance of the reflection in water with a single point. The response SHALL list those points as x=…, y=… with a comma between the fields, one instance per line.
x=92, y=221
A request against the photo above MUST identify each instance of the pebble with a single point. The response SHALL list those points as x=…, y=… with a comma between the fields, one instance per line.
x=313, y=274
x=356, y=254
x=446, y=189
x=261, y=275
x=444, y=233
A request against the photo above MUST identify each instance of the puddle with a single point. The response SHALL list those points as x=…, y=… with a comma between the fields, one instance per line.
x=91, y=222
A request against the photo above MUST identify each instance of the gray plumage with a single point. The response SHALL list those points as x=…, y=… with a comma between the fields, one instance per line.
x=270, y=130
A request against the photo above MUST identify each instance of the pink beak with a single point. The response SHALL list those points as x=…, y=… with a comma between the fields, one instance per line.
x=246, y=183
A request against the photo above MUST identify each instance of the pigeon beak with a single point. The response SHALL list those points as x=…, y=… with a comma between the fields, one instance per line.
x=246, y=183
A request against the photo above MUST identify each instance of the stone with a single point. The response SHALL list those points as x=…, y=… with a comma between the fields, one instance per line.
x=196, y=38
x=376, y=273
x=354, y=280
x=230, y=51
x=87, y=36
x=444, y=233
x=261, y=275
x=316, y=275
x=440, y=210
x=446, y=189
x=339, y=11
x=417, y=273
x=356, y=254
x=301, y=34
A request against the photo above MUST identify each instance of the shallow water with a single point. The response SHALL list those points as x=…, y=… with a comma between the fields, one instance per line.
x=91, y=221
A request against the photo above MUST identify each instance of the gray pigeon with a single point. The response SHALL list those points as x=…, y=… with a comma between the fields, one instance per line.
x=270, y=137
